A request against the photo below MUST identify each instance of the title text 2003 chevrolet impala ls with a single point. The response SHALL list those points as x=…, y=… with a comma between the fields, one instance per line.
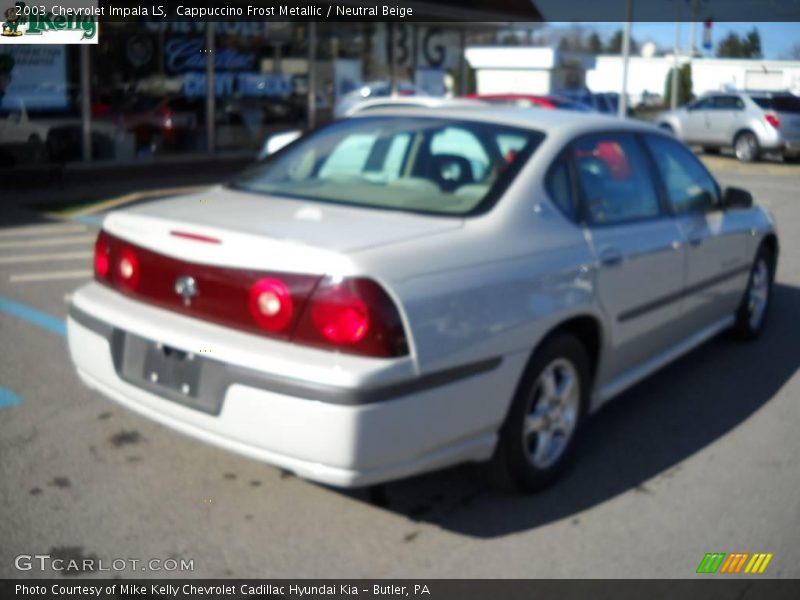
x=407, y=290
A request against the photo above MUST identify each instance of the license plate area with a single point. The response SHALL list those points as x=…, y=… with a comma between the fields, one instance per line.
x=173, y=373
x=171, y=368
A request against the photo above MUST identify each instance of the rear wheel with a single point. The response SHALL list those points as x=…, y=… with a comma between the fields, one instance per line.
x=539, y=435
x=745, y=146
x=791, y=158
x=752, y=312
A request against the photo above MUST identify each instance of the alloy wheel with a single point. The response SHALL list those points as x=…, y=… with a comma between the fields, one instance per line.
x=552, y=413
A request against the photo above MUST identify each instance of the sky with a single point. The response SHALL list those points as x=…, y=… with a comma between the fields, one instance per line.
x=776, y=38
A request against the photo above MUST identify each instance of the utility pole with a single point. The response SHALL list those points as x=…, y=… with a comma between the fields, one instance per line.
x=626, y=52
x=674, y=95
x=86, y=104
x=211, y=88
x=311, y=93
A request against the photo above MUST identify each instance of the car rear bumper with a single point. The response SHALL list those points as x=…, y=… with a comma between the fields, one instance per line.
x=343, y=435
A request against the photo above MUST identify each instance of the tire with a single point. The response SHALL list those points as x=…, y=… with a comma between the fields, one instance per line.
x=752, y=313
x=791, y=158
x=524, y=461
x=745, y=147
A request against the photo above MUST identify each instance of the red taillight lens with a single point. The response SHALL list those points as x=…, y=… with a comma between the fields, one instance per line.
x=102, y=261
x=340, y=315
x=270, y=304
x=353, y=315
x=127, y=271
x=773, y=120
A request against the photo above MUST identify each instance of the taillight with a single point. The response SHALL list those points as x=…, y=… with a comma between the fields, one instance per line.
x=102, y=260
x=354, y=315
x=773, y=120
x=270, y=304
x=127, y=270
x=340, y=315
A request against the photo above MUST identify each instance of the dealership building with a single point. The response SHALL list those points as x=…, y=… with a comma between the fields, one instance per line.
x=153, y=87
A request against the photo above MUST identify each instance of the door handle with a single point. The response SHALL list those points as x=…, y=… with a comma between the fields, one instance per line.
x=611, y=257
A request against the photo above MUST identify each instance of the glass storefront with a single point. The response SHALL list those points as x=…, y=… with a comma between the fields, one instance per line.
x=149, y=81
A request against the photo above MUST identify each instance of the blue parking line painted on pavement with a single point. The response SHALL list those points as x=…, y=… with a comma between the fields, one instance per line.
x=8, y=398
x=96, y=220
x=31, y=315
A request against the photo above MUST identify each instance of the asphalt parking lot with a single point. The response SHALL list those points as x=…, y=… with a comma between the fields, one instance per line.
x=703, y=457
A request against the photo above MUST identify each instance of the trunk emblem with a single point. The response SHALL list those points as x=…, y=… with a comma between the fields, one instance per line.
x=186, y=288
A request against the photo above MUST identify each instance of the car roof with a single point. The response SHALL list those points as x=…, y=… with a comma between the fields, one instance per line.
x=547, y=121
x=404, y=101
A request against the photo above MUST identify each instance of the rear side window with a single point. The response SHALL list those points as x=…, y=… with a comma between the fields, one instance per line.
x=762, y=102
x=783, y=103
x=789, y=104
x=615, y=179
x=559, y=186
x=688, y=185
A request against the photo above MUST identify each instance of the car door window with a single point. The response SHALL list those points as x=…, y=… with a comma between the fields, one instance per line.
x=615, y=180
x=688, y=185
x=728, y=103
x=702, y=104
x=559, y=186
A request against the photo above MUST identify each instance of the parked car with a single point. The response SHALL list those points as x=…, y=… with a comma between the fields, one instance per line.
x=401, y=291
x=601, y=102
x=750, y=122
x=278, y=140
x=370, y=91
x=531, y=101
x=55, y=138
x=158, y=123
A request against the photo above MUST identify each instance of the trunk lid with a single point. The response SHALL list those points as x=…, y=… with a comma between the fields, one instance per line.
x=266, y=232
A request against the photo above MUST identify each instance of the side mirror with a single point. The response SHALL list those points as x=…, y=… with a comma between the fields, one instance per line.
x=733, y=198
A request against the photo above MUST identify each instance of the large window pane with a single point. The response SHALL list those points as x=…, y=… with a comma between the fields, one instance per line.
x=615, y=179
x=689, y=186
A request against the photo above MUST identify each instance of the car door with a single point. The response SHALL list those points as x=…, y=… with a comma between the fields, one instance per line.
x=638, y=248
x=717, y=264
x=722, y=118
x=694, y=124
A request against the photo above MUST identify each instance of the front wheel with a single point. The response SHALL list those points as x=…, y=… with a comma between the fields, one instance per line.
x=745, y=146
x=752, y=312
x=548, y=410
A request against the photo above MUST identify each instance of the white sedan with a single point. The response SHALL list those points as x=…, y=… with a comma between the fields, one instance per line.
x=406, y=290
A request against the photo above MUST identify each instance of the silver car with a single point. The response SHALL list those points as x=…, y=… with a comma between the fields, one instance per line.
x=751, y=123
x=406, y=290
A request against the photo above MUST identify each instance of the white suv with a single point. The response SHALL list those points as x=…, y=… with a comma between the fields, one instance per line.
x=750, y=122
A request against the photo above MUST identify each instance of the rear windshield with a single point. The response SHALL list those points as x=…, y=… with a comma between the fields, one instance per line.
x=789, y=104
x=417, y=164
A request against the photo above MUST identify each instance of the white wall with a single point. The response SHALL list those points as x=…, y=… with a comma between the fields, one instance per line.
x=526, y=69
x=513, y=81
x=708, y=74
